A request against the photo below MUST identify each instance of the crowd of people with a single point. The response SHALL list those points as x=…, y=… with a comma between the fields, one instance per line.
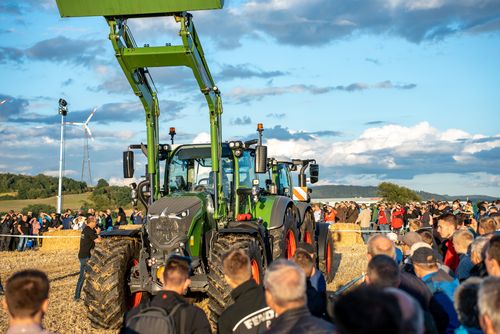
x=440, y=275
x=20, y=230
x=398, y=218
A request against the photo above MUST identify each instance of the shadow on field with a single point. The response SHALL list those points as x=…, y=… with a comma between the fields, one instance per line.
x=60, y=278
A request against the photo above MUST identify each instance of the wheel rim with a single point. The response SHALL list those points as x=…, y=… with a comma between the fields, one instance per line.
x=291, y=245
x=136, y=297
x=328, y=258
x=255, y=271
x=307, y=237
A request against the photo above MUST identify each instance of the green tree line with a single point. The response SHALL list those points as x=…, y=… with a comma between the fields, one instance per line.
x=39, y=186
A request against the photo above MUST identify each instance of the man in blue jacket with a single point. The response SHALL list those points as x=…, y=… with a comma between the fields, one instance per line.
x=441, y=284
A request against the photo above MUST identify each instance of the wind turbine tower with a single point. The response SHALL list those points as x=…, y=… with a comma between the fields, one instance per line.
x=86, y=165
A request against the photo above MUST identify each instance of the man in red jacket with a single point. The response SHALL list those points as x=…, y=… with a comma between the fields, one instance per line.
x=447, y=225
x=397, y=218
x=383, y=218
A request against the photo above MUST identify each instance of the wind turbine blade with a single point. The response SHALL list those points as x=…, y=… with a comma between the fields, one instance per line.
x=89, y=132
x=73, y=123
x=3, y=101
x=90, y=116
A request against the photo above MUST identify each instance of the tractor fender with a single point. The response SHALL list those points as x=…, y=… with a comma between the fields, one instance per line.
x=120, y=233
x=303, y=207
x=278, y=211
x=243, y=227
x=322, y=230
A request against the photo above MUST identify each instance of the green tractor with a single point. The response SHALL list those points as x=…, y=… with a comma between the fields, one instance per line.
x=210, y=198
x=281, y=183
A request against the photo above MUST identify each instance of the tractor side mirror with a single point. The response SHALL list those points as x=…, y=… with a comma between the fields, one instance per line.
x=313, y=173
x=260, y=159
x=128, y=164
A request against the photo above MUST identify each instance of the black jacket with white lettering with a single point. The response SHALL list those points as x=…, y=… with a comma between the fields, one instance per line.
x=249, y=314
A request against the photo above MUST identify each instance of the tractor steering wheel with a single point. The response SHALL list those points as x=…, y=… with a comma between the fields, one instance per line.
x=205, y=180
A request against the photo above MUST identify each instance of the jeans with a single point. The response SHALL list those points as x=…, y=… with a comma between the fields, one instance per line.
x=365, y=236
x=384, y=227
x=22, y=243
x=81, y=278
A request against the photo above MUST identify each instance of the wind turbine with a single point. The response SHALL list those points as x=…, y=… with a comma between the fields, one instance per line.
x=87, y=136
x=3, y=101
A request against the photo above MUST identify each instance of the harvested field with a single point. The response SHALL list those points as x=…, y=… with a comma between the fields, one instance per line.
x=66, y=316
x=62, y=267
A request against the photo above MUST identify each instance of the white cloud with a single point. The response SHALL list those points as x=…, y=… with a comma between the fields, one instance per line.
x=22, y=169
x=202, y=138
x=386, y=146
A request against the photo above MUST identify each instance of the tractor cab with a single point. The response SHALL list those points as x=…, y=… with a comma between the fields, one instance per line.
x=189, y=169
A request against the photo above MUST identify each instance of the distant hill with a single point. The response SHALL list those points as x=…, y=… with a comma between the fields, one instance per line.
x=15, y=186
x=343, y=191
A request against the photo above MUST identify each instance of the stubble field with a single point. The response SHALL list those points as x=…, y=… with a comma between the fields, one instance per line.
x=66, y=316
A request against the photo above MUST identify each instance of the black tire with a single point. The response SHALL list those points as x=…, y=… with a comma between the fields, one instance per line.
x=107, y=295
x=218, y=290
x=308, y=228
x=284, y=248
x=326, y=264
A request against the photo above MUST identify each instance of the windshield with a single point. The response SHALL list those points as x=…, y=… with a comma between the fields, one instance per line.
x=246, y=169
x=191, y=170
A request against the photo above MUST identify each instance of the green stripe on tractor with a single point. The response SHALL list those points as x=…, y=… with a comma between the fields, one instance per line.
x=129, y=8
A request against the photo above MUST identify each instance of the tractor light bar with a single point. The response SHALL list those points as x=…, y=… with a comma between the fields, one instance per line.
x=236, y=144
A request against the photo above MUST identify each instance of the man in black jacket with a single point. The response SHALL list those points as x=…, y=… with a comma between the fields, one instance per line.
x=315, y=300
x=249, y=313
x=285, y=284
x=188, y=319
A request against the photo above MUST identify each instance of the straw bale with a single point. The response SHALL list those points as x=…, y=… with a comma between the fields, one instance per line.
x=54, y=244
x=346, y=238
x=130, y=227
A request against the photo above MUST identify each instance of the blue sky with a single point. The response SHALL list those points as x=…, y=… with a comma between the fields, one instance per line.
x=388, y=90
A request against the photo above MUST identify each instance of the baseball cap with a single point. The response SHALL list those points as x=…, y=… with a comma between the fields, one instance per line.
x=393, y=236
x=424, y=255
x=418, y=245
x=307, y=247
x=410, y=238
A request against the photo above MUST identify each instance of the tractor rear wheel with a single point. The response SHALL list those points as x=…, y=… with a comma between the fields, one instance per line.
x=326, y=262
x=107, y=295
x=307, y=229
x=285, y=238
x=218, y=290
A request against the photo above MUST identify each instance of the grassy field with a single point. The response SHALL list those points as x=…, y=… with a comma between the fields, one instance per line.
x=73, y=201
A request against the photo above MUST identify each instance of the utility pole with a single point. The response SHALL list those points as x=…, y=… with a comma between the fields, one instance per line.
x=63, y=111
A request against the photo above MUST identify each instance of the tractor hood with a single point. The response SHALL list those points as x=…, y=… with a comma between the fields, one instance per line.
x=170, y=218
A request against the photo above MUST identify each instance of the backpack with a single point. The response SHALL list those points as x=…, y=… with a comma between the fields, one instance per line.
x=153, y=320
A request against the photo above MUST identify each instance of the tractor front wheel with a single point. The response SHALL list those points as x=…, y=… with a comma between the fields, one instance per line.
x=218, y=290
x=107, y=295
